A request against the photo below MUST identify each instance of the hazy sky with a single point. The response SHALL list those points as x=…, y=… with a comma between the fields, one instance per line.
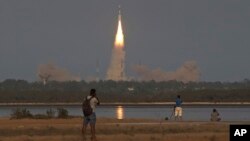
x=74, y=34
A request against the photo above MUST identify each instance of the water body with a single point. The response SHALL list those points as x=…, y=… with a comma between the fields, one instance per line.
x=228, y=113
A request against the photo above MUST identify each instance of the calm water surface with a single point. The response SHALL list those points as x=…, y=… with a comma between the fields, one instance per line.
x=150, y=112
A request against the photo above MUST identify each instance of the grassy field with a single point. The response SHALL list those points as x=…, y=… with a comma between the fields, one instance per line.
x=112, y=130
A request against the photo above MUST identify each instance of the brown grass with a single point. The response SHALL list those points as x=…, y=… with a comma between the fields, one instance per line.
x=112, y=130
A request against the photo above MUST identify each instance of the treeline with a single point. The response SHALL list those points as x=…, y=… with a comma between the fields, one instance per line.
x=124, y=91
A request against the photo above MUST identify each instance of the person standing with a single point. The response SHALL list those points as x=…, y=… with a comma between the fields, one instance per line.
x=89, y=106
x=178, y=108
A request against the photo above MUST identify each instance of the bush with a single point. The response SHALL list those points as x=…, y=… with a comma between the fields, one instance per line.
x=62, y=113
x=21, y=113
x=24, y=113
x=50, y=113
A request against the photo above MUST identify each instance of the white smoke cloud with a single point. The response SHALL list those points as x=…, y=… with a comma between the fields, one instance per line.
x=189, y=71
x=52, y=72
x=116, y=69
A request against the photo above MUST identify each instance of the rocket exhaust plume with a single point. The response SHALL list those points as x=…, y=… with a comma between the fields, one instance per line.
x=52, y=72
x=116, y=68
x=119, y=38
x=189, y=71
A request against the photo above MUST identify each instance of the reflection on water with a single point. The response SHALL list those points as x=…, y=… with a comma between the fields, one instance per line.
x=119, y=112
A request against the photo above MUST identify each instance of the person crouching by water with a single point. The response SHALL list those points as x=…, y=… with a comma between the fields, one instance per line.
x=88, y=107
x=178, y=108
x=215, y=115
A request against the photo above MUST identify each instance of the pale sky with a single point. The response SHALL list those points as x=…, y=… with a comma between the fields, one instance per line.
x=74, y=34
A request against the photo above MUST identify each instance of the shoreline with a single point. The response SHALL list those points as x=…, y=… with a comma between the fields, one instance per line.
x=113, y=129
x=186, y=104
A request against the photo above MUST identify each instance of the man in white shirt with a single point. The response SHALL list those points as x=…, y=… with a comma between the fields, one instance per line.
x=91, y=119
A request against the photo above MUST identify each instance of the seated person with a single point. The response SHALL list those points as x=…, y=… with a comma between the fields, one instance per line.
x=215, y=115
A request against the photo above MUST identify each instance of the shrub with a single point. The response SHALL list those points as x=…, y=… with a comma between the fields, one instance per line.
x=21, y=113
x=62, y=113
x=50, y=113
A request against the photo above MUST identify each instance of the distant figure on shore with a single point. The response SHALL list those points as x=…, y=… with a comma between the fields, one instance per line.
x=88, y=108
x=178, y=108
x=215, y=115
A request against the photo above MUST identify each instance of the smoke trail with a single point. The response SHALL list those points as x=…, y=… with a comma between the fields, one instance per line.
x=189, y=71
x=52, y=72
x=116, y=69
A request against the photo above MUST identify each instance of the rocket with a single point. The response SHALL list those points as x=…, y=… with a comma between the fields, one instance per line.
x=119, y=15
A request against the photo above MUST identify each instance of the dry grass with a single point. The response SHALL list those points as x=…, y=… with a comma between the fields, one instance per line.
x=122, y=137
x=112, y=130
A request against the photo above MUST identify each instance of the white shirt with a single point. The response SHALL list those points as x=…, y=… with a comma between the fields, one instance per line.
x=93, y=102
